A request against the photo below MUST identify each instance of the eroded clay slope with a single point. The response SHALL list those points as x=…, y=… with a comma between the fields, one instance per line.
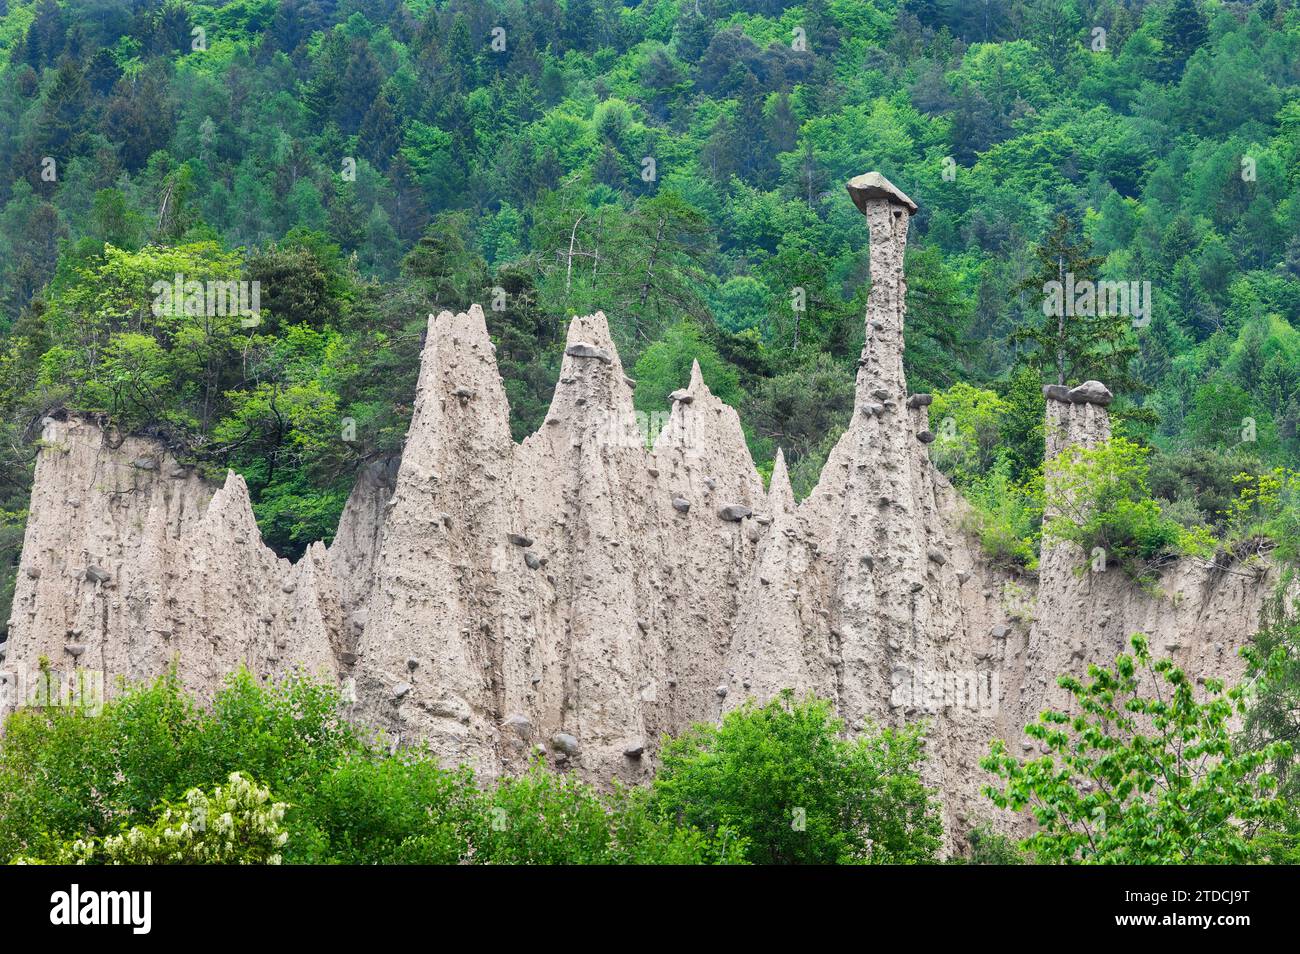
x=574, y=592
x=131, y=561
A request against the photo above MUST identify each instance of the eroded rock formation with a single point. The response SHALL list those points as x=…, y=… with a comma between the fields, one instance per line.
x=582, y=593
x=131, y=561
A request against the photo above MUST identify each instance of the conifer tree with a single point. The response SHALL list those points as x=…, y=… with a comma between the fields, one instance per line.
x=1069, y=345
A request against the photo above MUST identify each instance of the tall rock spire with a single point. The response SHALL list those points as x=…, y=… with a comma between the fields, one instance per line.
x=869, y=504
x=1061, y=635
x=888, y=212
x=430, y=660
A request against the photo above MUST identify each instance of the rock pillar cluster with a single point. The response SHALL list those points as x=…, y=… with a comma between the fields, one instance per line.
x=581, y=594
x=131, y=561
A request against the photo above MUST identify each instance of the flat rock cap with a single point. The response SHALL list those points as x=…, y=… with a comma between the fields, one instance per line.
x=872, y=185
x=1090, y=392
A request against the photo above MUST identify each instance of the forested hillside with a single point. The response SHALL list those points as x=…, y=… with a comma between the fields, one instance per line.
x=680, y=165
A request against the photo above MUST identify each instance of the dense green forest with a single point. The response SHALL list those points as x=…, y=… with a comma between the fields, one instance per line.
x=678, y=164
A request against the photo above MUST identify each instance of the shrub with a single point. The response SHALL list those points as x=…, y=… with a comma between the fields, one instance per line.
x=71, y=774
x=1199, y=483
x=65, y=772
x=781, y=777
x=123, y=787
x=377, y=809
x=1267, y=506
x=1273, y=665
x=99, y=783
x=1007, y=517
x=989, y=847
x=1140, y=775
x=1097, y=499
x=543, y=818
x=639, y=836
x=289, y=733
x=967, y=421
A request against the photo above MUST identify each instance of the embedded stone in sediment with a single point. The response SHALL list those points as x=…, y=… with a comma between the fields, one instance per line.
x=564, y=743
x=734, y=513
x=1057, y=392
x=520, y=725
x=581, y=349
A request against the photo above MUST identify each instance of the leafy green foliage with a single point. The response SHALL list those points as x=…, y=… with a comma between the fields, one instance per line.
x=1142, y=771
x=1199, y=487
x=666, y=366
x=1272, y=722
x=65, y=772
x=781, y=777
x=542, y=818
x=1267, y=508
x=967, y=422
x=404, y=809
x=1098, y=499
x=1007, y=517
x=125, y=787
x=970, y=448
x=989, y=847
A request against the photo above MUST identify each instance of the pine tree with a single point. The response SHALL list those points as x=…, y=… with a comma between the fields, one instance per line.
x=782, y=123
x=63, y=113
x=380, y=136
x=357, y=91
x=1066, y=346
x=322, y=90
x=1182, y=32
x=759, y=162
x=579, y=30
x=46, y=36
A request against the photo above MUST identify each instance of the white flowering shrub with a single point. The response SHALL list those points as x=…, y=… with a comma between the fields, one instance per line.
x=237, y=824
